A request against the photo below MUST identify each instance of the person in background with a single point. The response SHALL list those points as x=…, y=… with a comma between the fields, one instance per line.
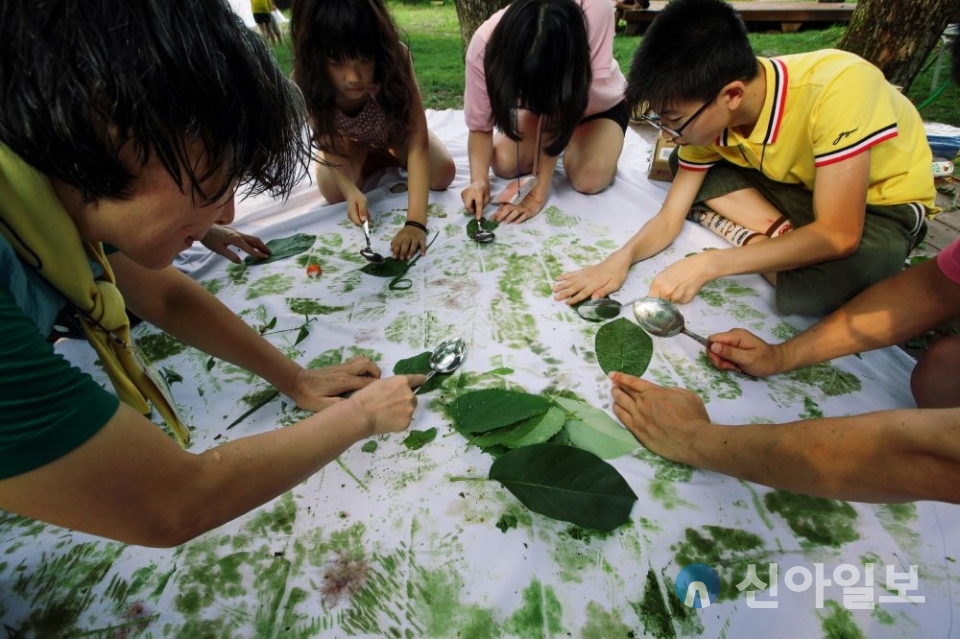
x=266, y=21
x=813, y=166
x=122, y=141
x=365, y=109
x=887, y=456
x=542, y=72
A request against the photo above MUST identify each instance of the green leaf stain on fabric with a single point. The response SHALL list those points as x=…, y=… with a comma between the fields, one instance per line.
x=652, y=610
x=275, y=284
x=816, y=521
x=540, y=615
x=307, y=306
x=838, y=622
x=623, y=346
x=728, y=550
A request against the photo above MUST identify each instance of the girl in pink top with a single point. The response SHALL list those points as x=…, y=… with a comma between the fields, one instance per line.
x=365, y=108
x=543, y=73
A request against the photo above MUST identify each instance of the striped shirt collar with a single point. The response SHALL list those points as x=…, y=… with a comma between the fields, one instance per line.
x=767, y=128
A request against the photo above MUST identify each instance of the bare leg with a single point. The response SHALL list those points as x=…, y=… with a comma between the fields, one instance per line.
x=748, y=208
x=442, y=168
x=934, y=382
x=352, y=166
x=590, y=159
x=505, y=151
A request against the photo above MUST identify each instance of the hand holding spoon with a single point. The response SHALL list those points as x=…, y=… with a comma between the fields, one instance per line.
x=368, y=253
x=661, y=318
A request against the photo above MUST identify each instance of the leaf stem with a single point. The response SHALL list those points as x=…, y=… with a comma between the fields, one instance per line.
x=349, y=472
x=263, y=402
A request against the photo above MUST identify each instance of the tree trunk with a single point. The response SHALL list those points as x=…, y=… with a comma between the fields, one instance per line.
x=472, y=13
x=897, y=35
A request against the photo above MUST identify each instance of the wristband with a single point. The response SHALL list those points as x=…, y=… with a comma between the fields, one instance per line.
x=416, y=225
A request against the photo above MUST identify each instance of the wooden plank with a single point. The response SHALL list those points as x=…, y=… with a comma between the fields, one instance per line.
x=764, y=12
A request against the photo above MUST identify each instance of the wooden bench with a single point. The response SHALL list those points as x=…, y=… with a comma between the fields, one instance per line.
x=790, y=15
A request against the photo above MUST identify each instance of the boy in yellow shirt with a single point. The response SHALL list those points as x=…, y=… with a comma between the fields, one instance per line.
x=812, y=165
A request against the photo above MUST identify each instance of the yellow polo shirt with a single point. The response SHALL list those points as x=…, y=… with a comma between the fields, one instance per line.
x=824, y=107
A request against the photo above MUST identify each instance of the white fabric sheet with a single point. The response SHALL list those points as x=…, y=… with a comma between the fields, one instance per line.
x=396, y=543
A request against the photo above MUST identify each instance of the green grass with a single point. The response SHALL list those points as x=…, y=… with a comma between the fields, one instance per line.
x=433, y=34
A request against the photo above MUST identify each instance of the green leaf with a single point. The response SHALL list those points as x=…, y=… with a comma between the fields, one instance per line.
x=369, y=446
x=302, y=335
x=284, y=247
x=533, y=430
x=211, y=363
x=389, y=268
x=506, y=522
x=491, y=408
x=566, y=483
x=420, y=365
x=417, y=439
x=488, y=225
x=593, y=430
x=623, y=346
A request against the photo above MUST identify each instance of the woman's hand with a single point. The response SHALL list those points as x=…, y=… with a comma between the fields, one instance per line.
x=317, y=388
x=388, y=404
x=220, y=238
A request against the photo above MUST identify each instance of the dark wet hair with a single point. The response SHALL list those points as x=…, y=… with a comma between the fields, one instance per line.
x=81, y=79
x=690, y=51
x=338, y=30
x=538, y=56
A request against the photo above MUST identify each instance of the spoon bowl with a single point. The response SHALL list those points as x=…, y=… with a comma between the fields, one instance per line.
x=599, y=309
x=368, y=253
x=661, y=318
x=446, y=358
x=483, y=237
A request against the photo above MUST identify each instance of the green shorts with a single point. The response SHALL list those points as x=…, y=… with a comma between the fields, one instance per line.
x=889, y=234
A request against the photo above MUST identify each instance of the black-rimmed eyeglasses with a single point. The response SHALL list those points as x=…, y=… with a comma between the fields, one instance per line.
x=649, y=116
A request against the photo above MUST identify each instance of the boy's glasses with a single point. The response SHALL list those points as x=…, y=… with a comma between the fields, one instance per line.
x=649, y=116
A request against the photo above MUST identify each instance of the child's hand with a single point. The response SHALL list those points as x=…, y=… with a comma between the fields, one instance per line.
x=594, y=281
x=476, y=196
x=681, y=281
x=357, y=207
x=408, y=242
x=526, y=209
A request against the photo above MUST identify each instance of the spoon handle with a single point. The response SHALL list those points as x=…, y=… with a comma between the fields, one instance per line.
x=420, y=387
x=702, y=340
x=366, y=232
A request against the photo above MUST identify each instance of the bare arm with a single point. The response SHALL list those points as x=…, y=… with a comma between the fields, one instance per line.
x=655, y=235
x=889, y=312
x=132, y=483
x=889, y=456
x=480, y=154
x=410, y=240
x=174, y=303
x=839, y=202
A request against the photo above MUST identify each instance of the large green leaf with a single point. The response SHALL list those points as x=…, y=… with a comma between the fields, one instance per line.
x=491, y=408
x=566, y=483
x=532, y=430
x=623, y=346
x=593, y=430
x=284, y=247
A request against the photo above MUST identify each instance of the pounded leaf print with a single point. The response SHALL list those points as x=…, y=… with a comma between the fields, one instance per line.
x=623, y=346
x=491, y=408
x=594, y=430
x=284, y=247
x=474, y=225
x=566, y=483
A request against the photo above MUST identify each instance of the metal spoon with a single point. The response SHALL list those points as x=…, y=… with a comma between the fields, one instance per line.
x=599, y=309
x=446, y=358
x=661, y=318
x=481, y=235
x=367, y=252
